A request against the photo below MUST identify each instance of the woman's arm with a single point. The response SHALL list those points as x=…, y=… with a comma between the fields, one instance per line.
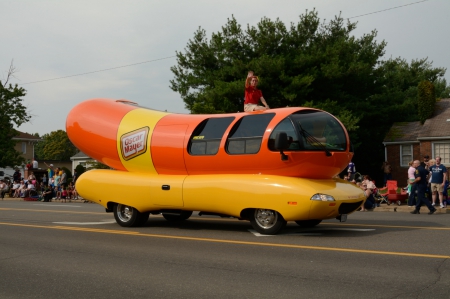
x=264, y=103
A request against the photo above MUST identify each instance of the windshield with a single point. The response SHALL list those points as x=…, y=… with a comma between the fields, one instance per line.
x=311, y=130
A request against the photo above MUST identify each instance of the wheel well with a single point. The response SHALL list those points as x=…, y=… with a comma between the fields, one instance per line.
x=246, y=213
x=110, y=206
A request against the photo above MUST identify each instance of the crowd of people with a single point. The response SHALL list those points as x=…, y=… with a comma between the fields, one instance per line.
x=427, y=184
x=53, y=185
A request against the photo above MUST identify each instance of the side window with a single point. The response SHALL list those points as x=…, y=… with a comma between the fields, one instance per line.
x=205, y=139
x=285, y=126
x=246, y=135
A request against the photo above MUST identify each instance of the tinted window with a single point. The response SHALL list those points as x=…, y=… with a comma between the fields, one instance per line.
x=319, y=129
x=285, y=126
x=311, y=130
x=205, y=139
x=246, y=135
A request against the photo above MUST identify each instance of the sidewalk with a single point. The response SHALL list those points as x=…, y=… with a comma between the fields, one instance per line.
x=405, y=209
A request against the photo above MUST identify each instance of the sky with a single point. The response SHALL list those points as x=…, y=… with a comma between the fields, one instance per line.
x=51, y=39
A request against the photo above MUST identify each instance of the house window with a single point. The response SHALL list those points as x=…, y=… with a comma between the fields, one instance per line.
x=24, y=147
x=406, y=153
x=442, y=149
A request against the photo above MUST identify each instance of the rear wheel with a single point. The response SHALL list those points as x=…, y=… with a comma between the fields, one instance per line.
x=177, y=217
x=127, y=216
x=267, y=222
x=308, y=223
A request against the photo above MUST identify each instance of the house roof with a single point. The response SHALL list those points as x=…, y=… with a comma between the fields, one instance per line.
x=80, y=156
x=435, y=127
x=26, y=136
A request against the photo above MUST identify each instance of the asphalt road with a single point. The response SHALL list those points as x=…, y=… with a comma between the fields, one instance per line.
x=76, y=250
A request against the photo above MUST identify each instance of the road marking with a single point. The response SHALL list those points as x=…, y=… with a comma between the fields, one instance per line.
x=281, y=234
x=57, y=206
x=134, y=233
x=348, y=229
x=85, y=223
x=53, y=211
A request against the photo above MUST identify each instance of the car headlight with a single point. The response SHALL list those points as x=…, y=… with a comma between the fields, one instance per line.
x=322, y=197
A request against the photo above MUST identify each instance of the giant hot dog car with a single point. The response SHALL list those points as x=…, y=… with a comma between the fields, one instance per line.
x=267, y=167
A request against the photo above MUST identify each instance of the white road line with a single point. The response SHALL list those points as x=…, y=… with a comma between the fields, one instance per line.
x=85, y=223
x=57, y=206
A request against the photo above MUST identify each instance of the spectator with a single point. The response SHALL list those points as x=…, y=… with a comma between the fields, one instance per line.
x=35, y=164
x=44, y=179
x=63, y=181
x=421, y=175
x=64, y=194
x=351, y=171
x=411, y=187
x=32, y=178
x=438, y=178
x=74, y=177
x=367, y=180
x=424, y=163
x=50, y=171
x=3, y=189
x=387, y=170
x=15, y=186
x=47, y=194
x=21, y=188
x=17, y=176
x=369, y=203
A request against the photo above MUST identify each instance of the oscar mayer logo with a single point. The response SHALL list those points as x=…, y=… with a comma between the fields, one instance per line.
x=134, y=143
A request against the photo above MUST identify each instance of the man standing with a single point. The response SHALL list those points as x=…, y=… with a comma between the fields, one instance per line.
x=63, y=181
x=351, y=171
x=438, y=178
x=35, y=164
x=50, y=172
x=421, y=181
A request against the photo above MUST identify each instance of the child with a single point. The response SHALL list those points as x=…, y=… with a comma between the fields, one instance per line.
x=64, y=194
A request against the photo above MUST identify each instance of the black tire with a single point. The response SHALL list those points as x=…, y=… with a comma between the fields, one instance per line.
x=308, y=223
x=127, y=216
x=267, y=222
x=178, y=217
x=143, y=218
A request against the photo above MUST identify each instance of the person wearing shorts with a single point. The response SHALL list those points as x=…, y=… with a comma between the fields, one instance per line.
x=253, y=95
x=438, y=178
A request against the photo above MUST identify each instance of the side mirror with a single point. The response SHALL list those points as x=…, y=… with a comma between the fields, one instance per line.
x=281, y=143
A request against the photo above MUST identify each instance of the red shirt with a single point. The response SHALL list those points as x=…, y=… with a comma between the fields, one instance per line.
x=252, y=95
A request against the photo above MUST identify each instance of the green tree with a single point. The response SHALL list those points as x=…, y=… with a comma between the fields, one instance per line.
x=12, y=112
x=55, y=146
x=310, y=63
x=426, y=100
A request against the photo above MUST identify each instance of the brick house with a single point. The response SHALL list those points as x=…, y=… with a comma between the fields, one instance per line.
x=409, y=141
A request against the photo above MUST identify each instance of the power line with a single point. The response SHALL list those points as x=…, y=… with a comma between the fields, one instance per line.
x=98, y=71
x=378, y=11
x=148, y=61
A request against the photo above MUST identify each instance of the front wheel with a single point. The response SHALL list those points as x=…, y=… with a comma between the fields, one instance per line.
x=127, y=216
x=308, y=223
x=177, y=217
x=267, y=222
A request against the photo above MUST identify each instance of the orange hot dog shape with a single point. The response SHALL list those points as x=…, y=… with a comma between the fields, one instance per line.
x=145, y=145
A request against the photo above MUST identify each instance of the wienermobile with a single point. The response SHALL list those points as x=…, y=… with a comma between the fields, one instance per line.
x=268, y=167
